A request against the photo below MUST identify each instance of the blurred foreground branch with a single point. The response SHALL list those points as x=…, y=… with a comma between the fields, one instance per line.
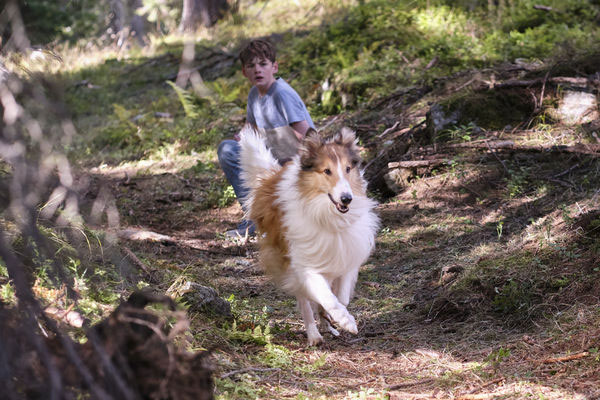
x=131, y=354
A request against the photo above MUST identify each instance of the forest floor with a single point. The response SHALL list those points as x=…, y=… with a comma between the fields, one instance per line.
x=469, y=294
x=485, y=279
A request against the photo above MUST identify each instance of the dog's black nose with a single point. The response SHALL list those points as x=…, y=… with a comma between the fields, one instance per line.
x=346, y=198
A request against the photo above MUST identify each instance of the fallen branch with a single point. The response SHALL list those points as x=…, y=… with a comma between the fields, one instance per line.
x=136, y=261
x=543, y=8
x=557, y=80
x=496, y=156
x=145, y=235
x=571, y=357
x=482, y=144
x=244, y=370
x=409, y=384
x=416, y=163
x=589, y=149
x=485, y=385
x=481, y=396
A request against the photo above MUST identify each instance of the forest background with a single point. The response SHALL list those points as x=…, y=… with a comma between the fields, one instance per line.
x=479, y=126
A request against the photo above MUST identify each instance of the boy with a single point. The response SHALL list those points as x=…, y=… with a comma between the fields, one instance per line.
x=274, y=108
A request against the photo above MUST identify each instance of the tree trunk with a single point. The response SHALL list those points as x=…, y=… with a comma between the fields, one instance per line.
x=126, y=22
x=117, y=20
x=205, y=12
x=138, y=22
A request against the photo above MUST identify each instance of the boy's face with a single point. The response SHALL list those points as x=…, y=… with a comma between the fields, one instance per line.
x=261, y=73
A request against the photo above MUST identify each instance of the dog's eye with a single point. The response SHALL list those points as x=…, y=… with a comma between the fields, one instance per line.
x=327, y=171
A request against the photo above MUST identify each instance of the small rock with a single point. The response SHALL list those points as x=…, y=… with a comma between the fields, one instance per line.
x=437, y=120
x=205, y=299
x=576, y=108
x=159, y=114
x=397, y=179
x=449, y=273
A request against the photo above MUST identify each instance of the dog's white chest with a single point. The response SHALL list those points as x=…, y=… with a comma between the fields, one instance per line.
x=330, y=252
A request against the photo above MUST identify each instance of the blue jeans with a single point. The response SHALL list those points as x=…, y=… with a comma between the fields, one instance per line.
x=229, y=159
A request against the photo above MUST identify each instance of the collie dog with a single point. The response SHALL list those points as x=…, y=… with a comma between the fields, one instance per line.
x=315, y=222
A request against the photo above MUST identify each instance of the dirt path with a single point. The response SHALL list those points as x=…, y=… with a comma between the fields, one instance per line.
x=425, y=331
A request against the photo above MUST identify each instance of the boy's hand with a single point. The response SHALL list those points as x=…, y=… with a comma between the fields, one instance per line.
x=300, y=128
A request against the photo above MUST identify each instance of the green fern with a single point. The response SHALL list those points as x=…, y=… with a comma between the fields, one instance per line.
x=187, y=101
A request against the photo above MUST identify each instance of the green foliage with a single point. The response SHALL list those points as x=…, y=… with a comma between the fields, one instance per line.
x=257, y=335
x=7, y=293
x=358, y=55
x=163, y=13
x=518, y=182
x=491, y=110
x=218, y=195
x=379, y=46
x=276, y=356
x=50, y=20
x=513, y=298
x=457, y=133
x=314, y=366
x=228, y=90
x=187, y=99
x=370, y=394
x=242, y=388
x=497, y=357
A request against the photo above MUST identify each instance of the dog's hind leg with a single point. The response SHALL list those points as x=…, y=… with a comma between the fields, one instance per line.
x=312, y=332
x=318, y=290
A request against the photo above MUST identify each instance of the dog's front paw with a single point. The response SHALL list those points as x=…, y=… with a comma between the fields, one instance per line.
x=314, y=337
x=345, y=320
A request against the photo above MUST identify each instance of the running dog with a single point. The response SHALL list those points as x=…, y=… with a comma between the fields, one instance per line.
x=316, y=224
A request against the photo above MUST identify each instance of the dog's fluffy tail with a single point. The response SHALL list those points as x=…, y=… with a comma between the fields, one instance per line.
x=257, y=161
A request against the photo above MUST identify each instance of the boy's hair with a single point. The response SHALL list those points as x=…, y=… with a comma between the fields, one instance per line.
x=257, y=49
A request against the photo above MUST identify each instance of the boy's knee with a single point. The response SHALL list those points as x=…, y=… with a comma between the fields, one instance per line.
x=228, y=151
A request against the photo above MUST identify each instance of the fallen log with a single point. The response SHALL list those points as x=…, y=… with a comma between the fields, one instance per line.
x=417, y=163
x=557, y=80
x=580, y=148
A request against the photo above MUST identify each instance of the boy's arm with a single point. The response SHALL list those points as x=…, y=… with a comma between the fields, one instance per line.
x=300, y=128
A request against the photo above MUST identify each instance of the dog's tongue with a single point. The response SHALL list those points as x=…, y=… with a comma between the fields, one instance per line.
x=341, y=208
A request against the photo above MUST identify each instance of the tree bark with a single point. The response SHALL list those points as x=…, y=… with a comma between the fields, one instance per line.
x=138, y=22
x=205, y=12
x=126, y=22
x=117, y=20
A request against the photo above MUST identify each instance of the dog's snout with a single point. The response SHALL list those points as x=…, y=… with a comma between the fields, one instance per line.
x=346, y=198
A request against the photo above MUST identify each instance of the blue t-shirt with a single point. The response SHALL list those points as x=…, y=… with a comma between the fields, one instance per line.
x=281, y=106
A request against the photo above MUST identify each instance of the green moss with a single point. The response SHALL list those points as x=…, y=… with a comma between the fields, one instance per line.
x=493, y=109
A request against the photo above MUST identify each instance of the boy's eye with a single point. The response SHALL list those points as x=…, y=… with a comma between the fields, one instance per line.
x=327, y=171
x=347, y=170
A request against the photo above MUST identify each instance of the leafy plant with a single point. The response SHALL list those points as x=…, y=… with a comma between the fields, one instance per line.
x=256, y=335
x=512, y=298
x=187, y=100
x=497, y=357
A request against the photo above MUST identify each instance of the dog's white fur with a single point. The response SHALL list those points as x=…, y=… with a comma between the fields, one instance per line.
x=325, y=246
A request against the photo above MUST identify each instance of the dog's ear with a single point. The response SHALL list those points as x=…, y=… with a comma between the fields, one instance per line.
x=308, y=149
x=345, y=137
x=311, y=132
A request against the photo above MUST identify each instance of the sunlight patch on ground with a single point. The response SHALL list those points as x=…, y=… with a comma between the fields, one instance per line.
x=166, y=160
x=532, y=390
